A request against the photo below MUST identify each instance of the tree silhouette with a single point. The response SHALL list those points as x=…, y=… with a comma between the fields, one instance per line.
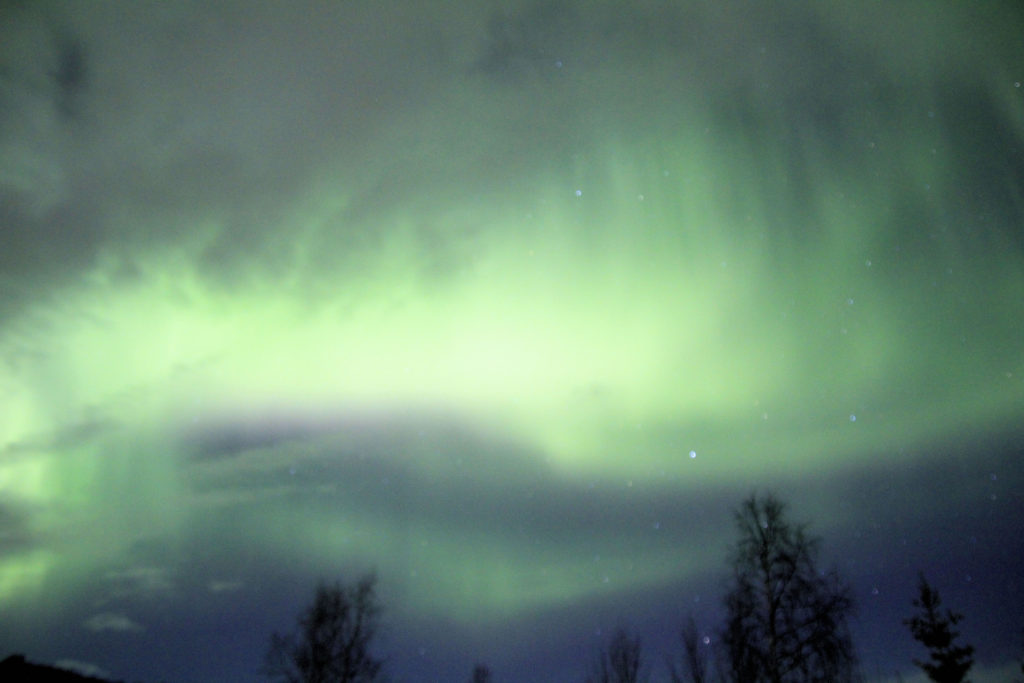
x=786, y=622
x=948, y=662
x=695, y=664
x=333, y=638
x=481, y=674
x=620, y=662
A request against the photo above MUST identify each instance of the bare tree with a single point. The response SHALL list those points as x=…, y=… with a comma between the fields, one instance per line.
x=333, y=638
x=695, y=665
x=948, y=662
x=786, y=621
x=620, y=662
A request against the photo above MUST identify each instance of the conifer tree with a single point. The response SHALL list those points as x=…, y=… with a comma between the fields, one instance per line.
x=947, y=662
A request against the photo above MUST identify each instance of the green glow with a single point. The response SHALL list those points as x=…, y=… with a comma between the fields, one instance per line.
x=22, y=575
x=662, y=309
x=472, y=574
x=576, y=318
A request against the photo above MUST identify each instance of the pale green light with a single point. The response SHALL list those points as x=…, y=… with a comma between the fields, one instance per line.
x=639, y=310
x=610, y=333
x=22, y=575
x=469, y=574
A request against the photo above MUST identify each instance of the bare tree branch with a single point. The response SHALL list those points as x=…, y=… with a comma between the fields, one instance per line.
x=786, y=620
x=333, y=639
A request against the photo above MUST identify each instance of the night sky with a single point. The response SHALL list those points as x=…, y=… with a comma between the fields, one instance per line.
x=512, y=302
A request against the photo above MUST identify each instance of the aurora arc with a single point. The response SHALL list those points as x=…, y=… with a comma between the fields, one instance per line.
x=573, y=275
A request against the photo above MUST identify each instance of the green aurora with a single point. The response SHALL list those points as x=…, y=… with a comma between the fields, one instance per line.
x=649, y=285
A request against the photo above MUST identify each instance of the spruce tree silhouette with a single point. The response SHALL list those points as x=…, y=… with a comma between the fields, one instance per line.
x=947, y=661
x=786, y=622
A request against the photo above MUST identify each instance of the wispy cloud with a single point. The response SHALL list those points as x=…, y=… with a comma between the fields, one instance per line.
x=220, y=586
x=113, y=621
x=83, y=668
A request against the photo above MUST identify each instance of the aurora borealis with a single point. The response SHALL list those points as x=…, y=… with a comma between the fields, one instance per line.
x=513, y=302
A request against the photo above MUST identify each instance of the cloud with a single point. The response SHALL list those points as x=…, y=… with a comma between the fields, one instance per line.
x=220, y=586
x=113, y=621
x=83, y=668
